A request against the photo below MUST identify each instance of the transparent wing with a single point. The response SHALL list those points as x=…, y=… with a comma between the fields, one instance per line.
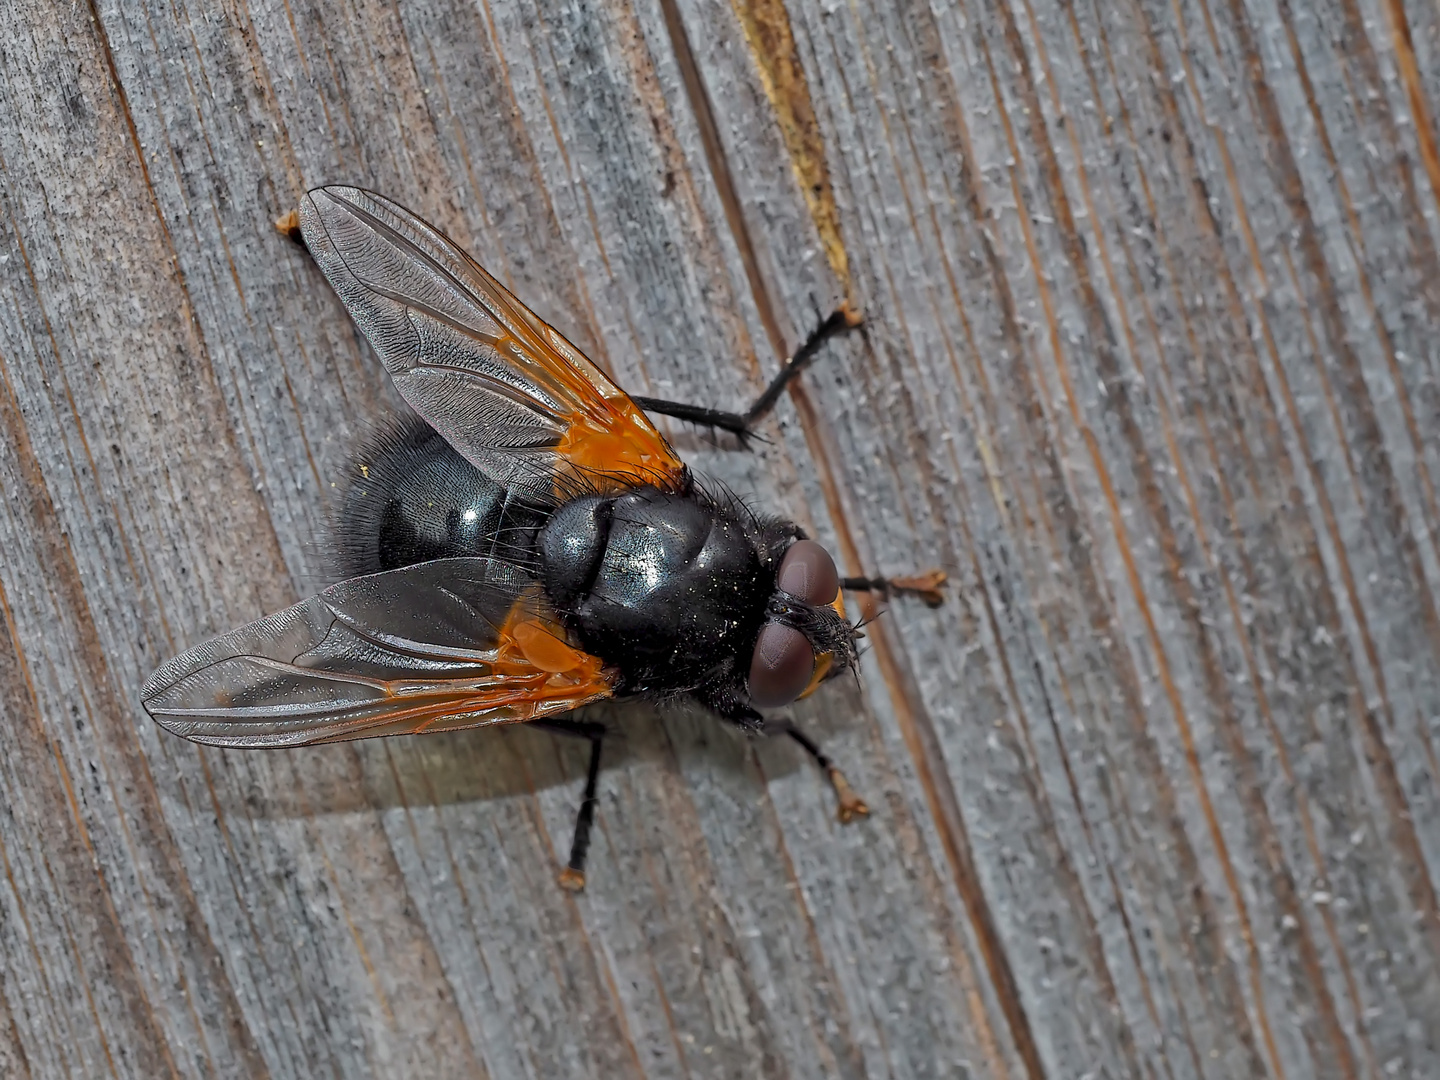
x=507, y=390
x=440, y=645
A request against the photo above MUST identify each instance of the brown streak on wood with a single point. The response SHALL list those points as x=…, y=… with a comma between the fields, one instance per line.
x=1400, y=821
x=62, y=773
x=704, y=113
x=1125, y=548
x=1315, y=261
x=19, y=695
x=1145, y=988
x=924, y=746
x=117, y=962
x=1189, y=601
x=118, y=89
x=63, y=574
x=1066, y=872
x=1430, y=512
x=13, y=1060
x=103, y=710
x=1370, y=436
x=943, y=803
x=1415, y=92
x=976, y=904
x=812, y=937
x=772, y=43
x=1285, y=889
x=1401, y=828
x=1192, y=503
x=1303, y=807
x=1117, y=385
x=608, y=975
x=981, y=213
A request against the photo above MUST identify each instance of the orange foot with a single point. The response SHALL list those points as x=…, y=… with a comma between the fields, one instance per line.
x=851, y=805
x=289, y=225
x=926, y=586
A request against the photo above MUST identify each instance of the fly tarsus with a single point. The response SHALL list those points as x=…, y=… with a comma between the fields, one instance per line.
x=851, y=805
x=927, y=586
x=288, y=226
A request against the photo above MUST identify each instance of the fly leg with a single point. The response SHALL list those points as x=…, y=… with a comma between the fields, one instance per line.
x=288, y=226
x=572, y=878
x=842, y=318
x=851, y=805
x=926, y=586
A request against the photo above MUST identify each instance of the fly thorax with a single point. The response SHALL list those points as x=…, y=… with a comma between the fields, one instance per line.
x=665, y=587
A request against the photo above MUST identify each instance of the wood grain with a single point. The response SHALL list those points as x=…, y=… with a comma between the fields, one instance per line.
x=1149, y=368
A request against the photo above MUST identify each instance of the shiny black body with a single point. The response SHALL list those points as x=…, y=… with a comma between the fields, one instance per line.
x=669, y=589
x=411, y=498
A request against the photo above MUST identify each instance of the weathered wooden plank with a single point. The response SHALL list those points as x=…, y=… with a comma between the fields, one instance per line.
x=1146, y=368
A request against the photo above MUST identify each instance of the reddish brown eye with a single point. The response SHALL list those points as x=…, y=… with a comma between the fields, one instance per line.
x=781, y=667
x=808, y=573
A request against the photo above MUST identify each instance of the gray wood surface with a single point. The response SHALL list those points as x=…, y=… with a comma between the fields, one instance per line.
x=1150, y=369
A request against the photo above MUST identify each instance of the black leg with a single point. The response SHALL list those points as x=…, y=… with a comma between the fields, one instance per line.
x=851, y=805
x=926, y=586
x=697, y=414
x=842, y=318
x=573, y=876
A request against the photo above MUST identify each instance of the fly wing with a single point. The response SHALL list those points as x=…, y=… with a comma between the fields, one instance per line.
x=439, y=645
x=506, y=389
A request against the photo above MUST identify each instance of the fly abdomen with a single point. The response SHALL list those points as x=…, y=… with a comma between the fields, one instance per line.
x=412, y=497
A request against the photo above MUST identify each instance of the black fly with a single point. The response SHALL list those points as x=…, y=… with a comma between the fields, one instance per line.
x=527, y=544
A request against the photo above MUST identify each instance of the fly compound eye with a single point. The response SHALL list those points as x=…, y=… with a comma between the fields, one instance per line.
x=781, y=667
x=784, y=661
x=808, y=573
